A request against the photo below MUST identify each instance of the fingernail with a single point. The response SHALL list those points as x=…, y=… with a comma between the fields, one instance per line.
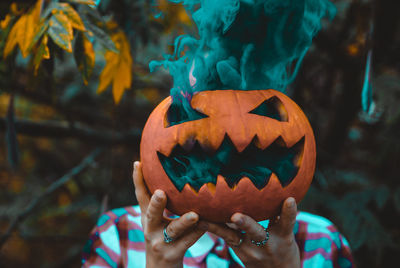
x=191, y=216
x=159, y=195
x=203, y=226
x=238, y=220
x=135, y=164
x=291, y=202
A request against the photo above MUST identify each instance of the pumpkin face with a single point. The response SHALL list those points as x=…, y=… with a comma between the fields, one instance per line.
x=247, y=152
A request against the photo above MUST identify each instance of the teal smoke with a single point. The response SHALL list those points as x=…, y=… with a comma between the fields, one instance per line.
x=243, y=45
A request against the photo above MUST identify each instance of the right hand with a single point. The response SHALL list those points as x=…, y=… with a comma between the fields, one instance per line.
x=183, y=230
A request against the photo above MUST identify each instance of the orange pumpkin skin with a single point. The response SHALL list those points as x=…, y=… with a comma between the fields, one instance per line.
x=228, y=114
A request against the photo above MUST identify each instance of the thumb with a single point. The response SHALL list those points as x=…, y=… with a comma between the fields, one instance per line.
x=288, y=217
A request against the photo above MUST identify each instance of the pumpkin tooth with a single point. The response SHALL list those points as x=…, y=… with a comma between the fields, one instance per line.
x=191, y=188
x=240, y=143
x=254, y=163
x=221, y=183
x=244, y=184
x=211, y=188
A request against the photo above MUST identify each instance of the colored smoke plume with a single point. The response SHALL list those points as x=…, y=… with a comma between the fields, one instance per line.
x=241, y=44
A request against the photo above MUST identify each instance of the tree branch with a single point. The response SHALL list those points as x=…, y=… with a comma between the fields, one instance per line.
x=53, y=187
x=64, y=130
x=80, y=111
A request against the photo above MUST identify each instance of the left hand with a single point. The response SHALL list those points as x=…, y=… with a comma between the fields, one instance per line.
x=280, y=250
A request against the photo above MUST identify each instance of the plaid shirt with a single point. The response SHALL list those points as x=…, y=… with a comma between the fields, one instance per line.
x=118, y=241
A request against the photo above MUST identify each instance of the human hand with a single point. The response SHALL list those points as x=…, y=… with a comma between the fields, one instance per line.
x=280, y=250
x=183, y=230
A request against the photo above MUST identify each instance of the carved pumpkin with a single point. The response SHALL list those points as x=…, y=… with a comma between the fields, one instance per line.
x=247, y=152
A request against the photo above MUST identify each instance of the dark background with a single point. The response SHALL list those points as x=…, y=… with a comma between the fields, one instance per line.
x=59, y=122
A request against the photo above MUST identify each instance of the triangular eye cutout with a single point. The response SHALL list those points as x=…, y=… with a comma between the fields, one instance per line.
x=273, y=108
x=177, y=115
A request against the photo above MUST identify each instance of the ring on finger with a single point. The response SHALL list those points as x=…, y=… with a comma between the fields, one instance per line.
x=240, y=242
x=167, y=238
x=263, y=242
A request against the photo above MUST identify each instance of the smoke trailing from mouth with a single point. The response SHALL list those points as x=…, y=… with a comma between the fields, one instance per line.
x=243, y=45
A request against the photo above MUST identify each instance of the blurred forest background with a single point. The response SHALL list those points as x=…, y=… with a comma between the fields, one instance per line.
x=75, y=92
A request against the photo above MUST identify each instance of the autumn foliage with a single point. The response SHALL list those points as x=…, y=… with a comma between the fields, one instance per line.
x=60, y=21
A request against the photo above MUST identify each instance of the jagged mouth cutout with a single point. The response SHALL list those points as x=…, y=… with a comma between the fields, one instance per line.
x=200, y=165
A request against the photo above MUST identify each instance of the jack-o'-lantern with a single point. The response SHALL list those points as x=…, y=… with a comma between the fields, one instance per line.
x=246, y=152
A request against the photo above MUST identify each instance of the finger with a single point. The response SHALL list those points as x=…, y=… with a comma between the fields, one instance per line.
x=232, y=226
x=142, y=194
x=254, y=230
x=230, y=236
x=273, y=221
x=188, y=240
x=288, y=217
x=179, y=226
x=154, y=213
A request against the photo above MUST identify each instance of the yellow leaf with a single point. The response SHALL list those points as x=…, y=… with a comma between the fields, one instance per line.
x=4, y=23
x=37, y=10
x=26, y=34
x=118, y=69
x=89, y=48
x=14, y=9
x=122, y=81
x=23, y=31
x=41, y=53
x=85, y=2
x=12, y=38
x=40, y=30
x=46, y=54
x=73, y=16
x=107, y=74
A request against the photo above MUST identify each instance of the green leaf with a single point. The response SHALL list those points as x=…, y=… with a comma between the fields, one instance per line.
x=95, y=25
x=61, y=31
x=72, y=15
x=84, y=56
x=48, y=10
x=101, y=36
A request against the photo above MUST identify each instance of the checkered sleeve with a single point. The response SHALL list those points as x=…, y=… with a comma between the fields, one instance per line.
x=116, y=241
x=320, y=243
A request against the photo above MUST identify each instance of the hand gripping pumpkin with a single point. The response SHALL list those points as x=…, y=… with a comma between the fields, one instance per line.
x=247, y=152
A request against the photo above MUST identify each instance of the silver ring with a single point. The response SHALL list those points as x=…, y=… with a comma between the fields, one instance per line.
x=167, y=238
x=238, y=244
x=263, y=242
